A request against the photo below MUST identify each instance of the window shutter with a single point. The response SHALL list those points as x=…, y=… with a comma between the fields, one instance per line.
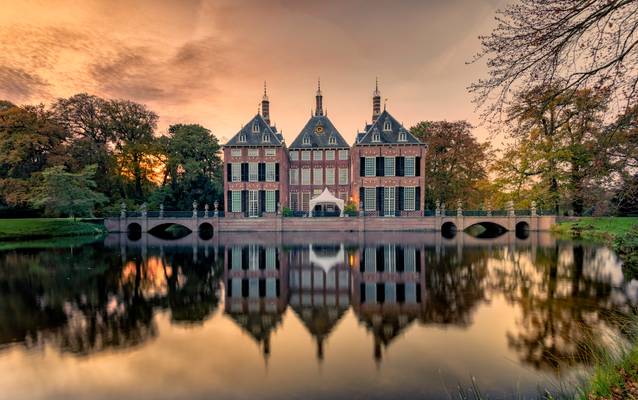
x=244, y=202
x=261, y=172
x=244, y=258
x=229, y=204
x=262, y=201
x=417, y=166
x=380, y=259
x=400, y=263
x=362, y=166
x=399, y=199
x=262, y=258
x=380, y=166
x=244, y=172
x=417, y=198
x=277, y=199
x=229, y=288
x=400, y=166
x=362, y=198
x=417, y=257
x=229, y=172
x=380, y=200
x=276, y=172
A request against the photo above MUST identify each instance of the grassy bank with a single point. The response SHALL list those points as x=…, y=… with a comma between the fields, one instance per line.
x=603, y=229
x=45, y=228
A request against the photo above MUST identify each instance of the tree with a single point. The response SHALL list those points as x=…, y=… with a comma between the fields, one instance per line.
x=455, y=163
x=62, y=193
x=193, y=166
x=30, y=140
x=132, y=126
x=579, y=44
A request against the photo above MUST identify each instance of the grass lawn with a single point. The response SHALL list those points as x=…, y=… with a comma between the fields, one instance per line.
x=45, y=228
x=596, y=228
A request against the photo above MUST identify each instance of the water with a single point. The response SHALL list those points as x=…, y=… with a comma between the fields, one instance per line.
x=305, y=316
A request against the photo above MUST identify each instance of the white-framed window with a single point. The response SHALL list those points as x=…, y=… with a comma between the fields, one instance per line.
x=270, y=172
x=330, y=155
x=316, y=192
x=253, y=152
x=371, y=199
x=387, y=125
x=370, y=261
x=270, y=201
x=294, y=201
x=409, y=197
x=409, y=259
x=265, y=137
x=270, y=152
x=409, y=167
x=271, y=258
x=389, y=166
x=317, y=176
x=390, y=258
x=294, y=155
x=242, y=138
x=235, y=152
x=253, y=172
x=235, y=262
x=343, y=176
x=255, y=127
x=305, y=176
x=305, y=201
x=370, y=166
x=235, y=172
x=332, y=140
x=389, y=205
x=330, y=176
x=376, y=137
x=305, y=156
x=317, y=155
x=343, y=154
x=236, y=201
x=403, y=136
x=306, y=140
x=293, y=175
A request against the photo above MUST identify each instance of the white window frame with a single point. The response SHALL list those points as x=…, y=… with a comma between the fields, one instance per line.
x=294, y=155
x=370, y=166
x=236, y=201
x=389, y=166
x=293, y=175
x=235, y=152
x=370, y=199
x=403, y=137
x=265, y=138
x=253, y=172
x=270, y=172
x=343, y=176
x=409, y=168
x=376, y=137
x=253, y=152
x=293, y=201
x=317, y=176
x=409, y=198
x=270, y=152
x=332, y=140
x=306, y=140
x=317, y=155
x=255, y=127
x=343, y=154
x=305, y=176
x=389, y=201
x=242, y=138
x=271, y=206
x=330, y=155
x=330, y=176
x=305, y=155
x=387, y=126
x=305, y=201
x=235, y=172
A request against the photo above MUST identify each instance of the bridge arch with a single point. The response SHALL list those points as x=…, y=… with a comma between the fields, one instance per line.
x=486, y=229
x=206, y=231
x=448, y=230
x=169, y=230
x=134, y=231
x=522, y=230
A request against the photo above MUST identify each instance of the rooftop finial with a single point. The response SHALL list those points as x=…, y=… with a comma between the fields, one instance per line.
x=319, y=85
x=319, y=100
x=376, y=100
x=385, y=103
x=265, y=91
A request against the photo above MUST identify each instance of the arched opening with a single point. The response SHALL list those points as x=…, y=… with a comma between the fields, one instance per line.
x=206, y=231
x=522, y=230
x=170, y=231
x=134, y=231
x=448, y=230
x=486, y=230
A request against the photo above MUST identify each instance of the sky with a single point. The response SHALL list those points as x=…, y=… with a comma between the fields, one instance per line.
x=205, y=62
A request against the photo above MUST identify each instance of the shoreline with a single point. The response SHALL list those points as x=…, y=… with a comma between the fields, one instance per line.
x=31, y=229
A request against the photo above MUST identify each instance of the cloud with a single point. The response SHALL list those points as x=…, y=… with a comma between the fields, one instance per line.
x=19, y=85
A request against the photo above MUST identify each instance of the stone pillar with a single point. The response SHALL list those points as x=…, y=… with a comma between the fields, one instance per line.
x=510, y=209
x=194, y=209
x=143, y=210
x=488, y=207
x=206, y=210
x=459, y=208
x=437, y=208
x=161, y=212
x=533, y=209
x=216, y=205
x=123, y=210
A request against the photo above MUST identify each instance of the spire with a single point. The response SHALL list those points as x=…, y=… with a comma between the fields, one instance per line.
x=265, y=106
x=319, y=100
x=376, y=101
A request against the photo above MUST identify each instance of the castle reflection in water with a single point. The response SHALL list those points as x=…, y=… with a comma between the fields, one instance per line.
x=105, y=295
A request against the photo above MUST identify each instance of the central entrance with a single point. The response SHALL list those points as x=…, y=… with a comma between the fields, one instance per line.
x=253, y=203
x=389, y=205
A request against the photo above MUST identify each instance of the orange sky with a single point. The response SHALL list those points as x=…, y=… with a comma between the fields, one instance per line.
x=205, y=61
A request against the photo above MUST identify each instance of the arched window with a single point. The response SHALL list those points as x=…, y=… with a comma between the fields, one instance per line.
x=242, y=138
x=402, y=136
x=332, y=140
x=387, y=125
x=265, y=137
x=306, y=140
x=255, y=127
x=376, y=137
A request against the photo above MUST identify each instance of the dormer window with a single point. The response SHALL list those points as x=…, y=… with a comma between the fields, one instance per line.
x=387, y=125
x=242, y=138
x=332, y=140
x=376, y=137
x=402, y=136
x=306, y=140
x=265, y=137
x=255, y=127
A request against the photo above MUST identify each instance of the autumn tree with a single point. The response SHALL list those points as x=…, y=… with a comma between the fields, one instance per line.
x=455, y=162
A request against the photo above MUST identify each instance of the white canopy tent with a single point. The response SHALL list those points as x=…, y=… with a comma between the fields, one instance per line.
x=326, y=198
x=328, y=262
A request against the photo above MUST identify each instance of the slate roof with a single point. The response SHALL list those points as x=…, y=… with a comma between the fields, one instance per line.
x=255, y=138
x=319, y=139
x=390, y=136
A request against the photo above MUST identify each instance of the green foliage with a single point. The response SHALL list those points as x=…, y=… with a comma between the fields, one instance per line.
x=37, y=228
x=287, y=212
x=627, y=248
x=62, y=193
x=350, y=209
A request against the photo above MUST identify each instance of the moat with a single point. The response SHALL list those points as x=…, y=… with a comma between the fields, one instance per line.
x=316, y=315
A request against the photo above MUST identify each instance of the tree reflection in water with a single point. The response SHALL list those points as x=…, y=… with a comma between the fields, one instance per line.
x=105, y=296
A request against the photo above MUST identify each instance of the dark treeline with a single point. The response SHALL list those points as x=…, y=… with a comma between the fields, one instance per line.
x=84, y=154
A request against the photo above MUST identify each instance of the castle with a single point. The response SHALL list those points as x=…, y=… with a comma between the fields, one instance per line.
x=320, y=172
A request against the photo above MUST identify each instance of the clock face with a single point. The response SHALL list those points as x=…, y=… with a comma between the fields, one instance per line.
x=319, y=129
